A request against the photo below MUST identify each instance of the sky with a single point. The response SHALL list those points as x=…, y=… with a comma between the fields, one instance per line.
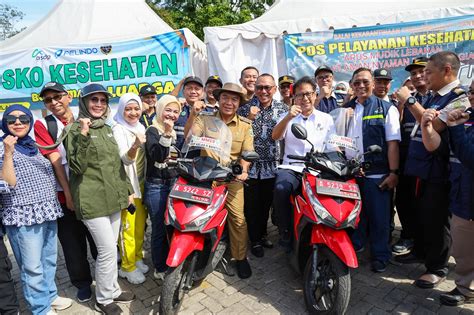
x=34, y=10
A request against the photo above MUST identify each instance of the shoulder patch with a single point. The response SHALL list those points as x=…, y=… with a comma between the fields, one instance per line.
x=245, y=119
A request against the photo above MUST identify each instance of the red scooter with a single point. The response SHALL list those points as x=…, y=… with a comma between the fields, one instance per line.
x=196, y=210
x=328, y=204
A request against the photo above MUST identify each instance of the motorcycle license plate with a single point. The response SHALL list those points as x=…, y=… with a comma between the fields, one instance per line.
x=192, y=193
x=337, y=189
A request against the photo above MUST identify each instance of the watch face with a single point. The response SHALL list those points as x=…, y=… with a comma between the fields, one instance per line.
x=411, y=100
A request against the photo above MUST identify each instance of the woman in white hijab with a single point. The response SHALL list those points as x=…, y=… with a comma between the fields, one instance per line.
x=130, y=136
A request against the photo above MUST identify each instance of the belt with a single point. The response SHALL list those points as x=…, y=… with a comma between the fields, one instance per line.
x=161, y=181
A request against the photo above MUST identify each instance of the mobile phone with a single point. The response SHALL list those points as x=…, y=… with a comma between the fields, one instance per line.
x=131, y=208
x=470, y=111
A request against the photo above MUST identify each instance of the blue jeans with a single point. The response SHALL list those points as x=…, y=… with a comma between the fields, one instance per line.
x=374, y=220
x=35, y=249
x=155, y=198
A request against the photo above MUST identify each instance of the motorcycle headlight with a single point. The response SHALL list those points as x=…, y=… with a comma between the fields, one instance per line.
x=198, y=223
x=171, y=214
x=321, y=212
x=351, y=219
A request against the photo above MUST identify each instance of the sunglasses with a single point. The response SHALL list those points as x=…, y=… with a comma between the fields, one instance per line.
x=11, y=119
x=56, y=98
x=264, y=87
x=96, y=100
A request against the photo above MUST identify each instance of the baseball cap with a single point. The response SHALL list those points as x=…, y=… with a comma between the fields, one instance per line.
x=192, y=79
x=52, y=86
x=286, y=79
x=382, y=73
x=214, y=78
x=417, y=62
x=322, y=68
x=147, y=89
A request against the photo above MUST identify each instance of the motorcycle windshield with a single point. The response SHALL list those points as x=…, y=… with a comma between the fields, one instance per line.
x=208, y=143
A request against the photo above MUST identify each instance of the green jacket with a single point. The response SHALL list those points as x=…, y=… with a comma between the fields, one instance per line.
x=99, y=184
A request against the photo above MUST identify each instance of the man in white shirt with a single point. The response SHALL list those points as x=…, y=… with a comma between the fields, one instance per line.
x=320, y=127
x=375, y=122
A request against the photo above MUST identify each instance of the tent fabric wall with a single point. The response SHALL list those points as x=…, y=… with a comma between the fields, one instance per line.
x=259, y=42
x=73, y=22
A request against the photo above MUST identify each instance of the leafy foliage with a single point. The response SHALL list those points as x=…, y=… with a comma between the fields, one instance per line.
x=195, y=15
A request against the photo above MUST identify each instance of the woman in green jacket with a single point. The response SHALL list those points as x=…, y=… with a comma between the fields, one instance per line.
x=100, y=190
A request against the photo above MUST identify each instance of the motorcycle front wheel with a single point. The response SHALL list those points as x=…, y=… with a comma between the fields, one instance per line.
x=327, y=291
x=173, y=292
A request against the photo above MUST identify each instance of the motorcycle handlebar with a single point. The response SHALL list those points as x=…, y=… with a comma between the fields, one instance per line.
x=297, y=157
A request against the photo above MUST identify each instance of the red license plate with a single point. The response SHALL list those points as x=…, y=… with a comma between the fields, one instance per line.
x=337, y=189
x=192, y=193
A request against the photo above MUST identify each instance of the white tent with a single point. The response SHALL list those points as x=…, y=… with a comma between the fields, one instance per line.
x=259, y=42
x=73, y=22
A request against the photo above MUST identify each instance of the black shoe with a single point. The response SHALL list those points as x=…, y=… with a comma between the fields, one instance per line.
x=125, y=297
x=243, y=269
x=266, y=243
x=403, y=246
x=109, y=309
x=379, y=266
x=409, y=259
x=455, y=298
x=257, y=250
x=84, y=294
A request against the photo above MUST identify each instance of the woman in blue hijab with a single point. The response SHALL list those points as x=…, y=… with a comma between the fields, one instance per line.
x=29, y=211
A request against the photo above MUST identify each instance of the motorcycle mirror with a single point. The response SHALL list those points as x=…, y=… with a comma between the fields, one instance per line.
x=374, y=149
x=299, y=131
x=250, y=156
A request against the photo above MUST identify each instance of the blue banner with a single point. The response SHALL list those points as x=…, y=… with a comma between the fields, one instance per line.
x=390, y=46
x=121, y=67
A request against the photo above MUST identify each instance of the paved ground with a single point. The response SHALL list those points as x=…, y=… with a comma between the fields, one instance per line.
x=274, y=288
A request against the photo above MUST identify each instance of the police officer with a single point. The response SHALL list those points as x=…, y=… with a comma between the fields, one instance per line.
x=383, y=83
x=230, y=97
x=405, y=191
x=284, y=86
x=461, y=206
x=432, y=240
x=375, y=122
x=212, y=83
x=327, y=99
x=148, y=96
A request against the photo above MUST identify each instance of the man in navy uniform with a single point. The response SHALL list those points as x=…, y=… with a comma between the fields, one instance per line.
x=432, y=238
x=327, y=99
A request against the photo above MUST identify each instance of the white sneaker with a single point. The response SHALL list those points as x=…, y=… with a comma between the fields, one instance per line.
x=61, y=303
x=141, y=266
x=159, y=275
x=134, y=277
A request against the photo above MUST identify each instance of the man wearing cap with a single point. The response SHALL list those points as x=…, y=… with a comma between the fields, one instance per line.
x=264, y=112
x=149, y=98
x=193, y=91
x=72, y=233
x=375, y=122
x=431, y=169
x=327, y=99
x=230, y=97
x=248, y=78
x=212, y=83
x=383, y=82
x=405, y=191
x=284, y=86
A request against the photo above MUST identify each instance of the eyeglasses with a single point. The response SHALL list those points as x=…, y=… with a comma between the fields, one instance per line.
x=324, y=77
x=360, y=82
x=96, y=100
x=56, y=98
x=300, y=96
x=24, y=119
x=264, y=87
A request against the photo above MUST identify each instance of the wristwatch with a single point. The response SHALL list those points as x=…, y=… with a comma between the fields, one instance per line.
x=396, y=172
x=410, y=101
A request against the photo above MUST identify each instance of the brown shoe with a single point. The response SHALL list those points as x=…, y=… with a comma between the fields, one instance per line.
x=429, y=281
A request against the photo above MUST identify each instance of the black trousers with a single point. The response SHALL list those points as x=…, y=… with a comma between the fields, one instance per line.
x=73, y=236
x=432, y=237
x=258, y=199
x=406, y=208
x=8, y=300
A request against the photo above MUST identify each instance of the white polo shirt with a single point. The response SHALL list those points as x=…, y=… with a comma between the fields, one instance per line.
x=319, y=126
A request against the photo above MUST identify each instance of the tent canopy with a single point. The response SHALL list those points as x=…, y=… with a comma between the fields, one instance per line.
x=259, y=42
x=73, y=22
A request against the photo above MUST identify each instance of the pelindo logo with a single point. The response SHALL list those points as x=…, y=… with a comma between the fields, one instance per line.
x=38, y=54
x=76, y=52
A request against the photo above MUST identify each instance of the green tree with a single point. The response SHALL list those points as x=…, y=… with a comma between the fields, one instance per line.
x=195, y=15
x=9, y=16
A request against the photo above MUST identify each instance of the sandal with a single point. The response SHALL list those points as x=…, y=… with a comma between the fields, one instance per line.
x=429, y=281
